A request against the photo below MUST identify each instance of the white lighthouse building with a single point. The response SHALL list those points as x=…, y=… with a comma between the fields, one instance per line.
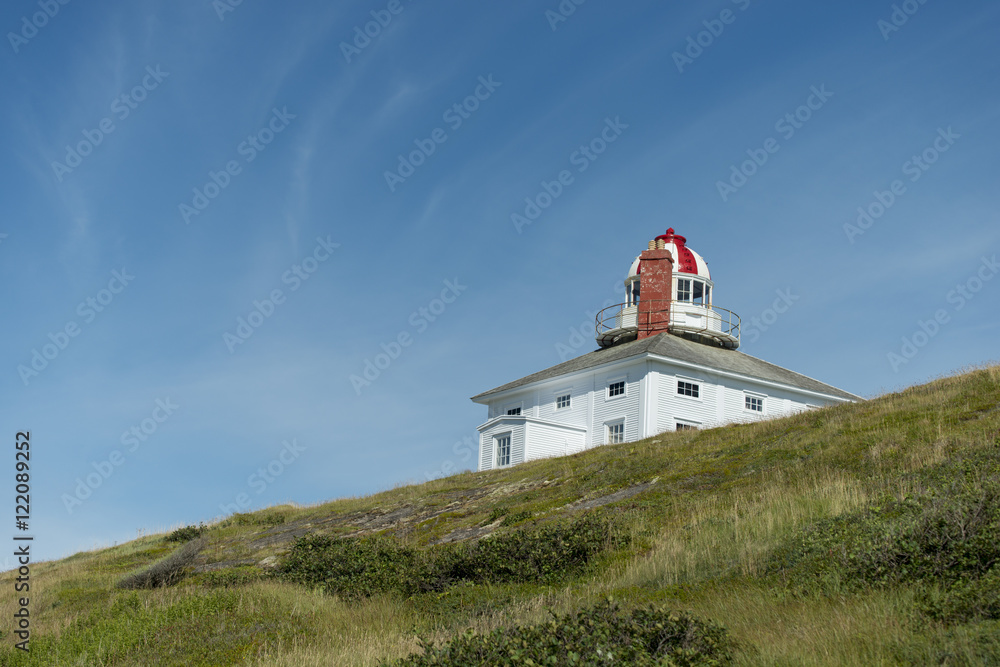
x=667, y=361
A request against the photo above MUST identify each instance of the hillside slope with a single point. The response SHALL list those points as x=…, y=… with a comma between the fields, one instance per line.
x=860, y=534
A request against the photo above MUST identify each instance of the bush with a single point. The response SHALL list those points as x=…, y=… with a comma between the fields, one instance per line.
x=187, y=533
x=544, y=554
x=164, y=572
x=516, y=517
x=945, y=535
x=497, y=513
x=944, y=539
x=355, y=567
x=965, y=600
x=351, y=567
x=601, y=635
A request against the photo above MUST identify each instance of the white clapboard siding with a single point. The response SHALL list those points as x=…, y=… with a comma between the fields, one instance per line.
x=651, y=404
x=546, y=440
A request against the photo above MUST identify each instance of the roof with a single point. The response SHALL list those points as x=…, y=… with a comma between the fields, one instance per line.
x=680, y=349
x=685, y=259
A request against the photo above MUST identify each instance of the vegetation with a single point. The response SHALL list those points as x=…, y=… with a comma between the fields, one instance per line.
x=165, y=572
x=602, y=635
x=186, y=533
x=355, y=567
x=861, y=534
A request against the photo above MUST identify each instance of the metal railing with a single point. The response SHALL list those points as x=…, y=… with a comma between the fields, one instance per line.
x=720, y=324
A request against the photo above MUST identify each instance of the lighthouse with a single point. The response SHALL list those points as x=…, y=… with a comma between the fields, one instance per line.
x=667, y=359
x=668, y=289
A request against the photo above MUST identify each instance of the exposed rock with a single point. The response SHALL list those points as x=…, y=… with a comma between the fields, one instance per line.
x=623, y=494
x=470, y=533
x=269, y=563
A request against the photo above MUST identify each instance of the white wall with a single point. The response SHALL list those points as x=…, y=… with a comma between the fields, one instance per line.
x=612, y=409
x=723, y=400
x=650, y=405
x=545, y=440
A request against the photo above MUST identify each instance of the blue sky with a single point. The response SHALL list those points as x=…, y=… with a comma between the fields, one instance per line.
x=170, y=168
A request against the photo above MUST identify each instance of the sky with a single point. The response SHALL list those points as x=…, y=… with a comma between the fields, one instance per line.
x=261, y=252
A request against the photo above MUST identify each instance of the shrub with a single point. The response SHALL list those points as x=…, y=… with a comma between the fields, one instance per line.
x=964, y=600
x=601, y=635
x=944, y=535
x=497, y=513
x=944, y=539
x=355, y=567
x=351, y=567
x=164, y=572
x=187, y=533
x=542, y=554
x=516, y=517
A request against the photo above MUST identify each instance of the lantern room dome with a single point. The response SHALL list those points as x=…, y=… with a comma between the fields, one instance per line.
x=685, y=259
x=668, y=289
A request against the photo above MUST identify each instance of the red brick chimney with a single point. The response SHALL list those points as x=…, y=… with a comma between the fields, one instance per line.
x=656, y=267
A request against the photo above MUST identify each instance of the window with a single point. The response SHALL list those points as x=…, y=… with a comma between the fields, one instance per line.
x=754, y=403
x=683, y=289
x=562, y=402
x=688, y=389
x=701, y=293
x=616, y=433
x=616, y=389
x=694, y=291
x=514, y=412
x=632, y=293
x=685, y=427
x=502, y=445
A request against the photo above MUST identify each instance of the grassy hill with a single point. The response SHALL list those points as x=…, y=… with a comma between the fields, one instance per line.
x=863, y=534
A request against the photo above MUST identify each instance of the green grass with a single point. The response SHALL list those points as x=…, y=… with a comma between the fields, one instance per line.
x=861, y=534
